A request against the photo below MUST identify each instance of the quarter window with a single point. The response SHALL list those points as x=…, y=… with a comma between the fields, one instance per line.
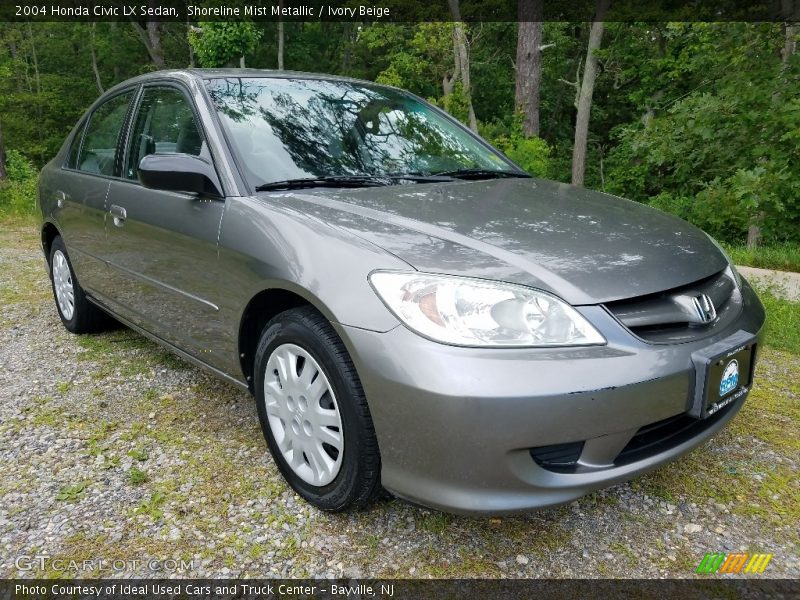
x=99, y=149
x=165, y=124
x=72, y=158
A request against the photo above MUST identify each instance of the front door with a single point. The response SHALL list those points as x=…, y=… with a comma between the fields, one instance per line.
x=163, y=245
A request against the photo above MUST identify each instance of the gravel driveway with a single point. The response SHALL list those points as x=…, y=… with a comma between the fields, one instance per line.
x=113, y=450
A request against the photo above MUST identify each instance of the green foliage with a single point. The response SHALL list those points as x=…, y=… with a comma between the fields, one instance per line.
x=221, y=43
x=18, y=191
x=457, y=103
x=532, y=154
x=19, y=168
x=137, y=476
x=723, y=156
x=139, y=454
x=72, y=492
x=152, y=506
x=699, y=119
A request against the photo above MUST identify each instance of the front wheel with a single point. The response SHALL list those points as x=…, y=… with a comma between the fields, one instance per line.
x=314, y=414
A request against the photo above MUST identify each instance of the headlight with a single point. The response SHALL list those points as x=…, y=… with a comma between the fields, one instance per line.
x=478, y=312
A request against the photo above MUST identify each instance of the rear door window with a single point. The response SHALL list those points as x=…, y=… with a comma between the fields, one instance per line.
x=99, y=149
x=165, y=124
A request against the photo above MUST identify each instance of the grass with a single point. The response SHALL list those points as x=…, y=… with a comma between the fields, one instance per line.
x=72, y=492
x=783, y=322
x=782, y=257
x=724, y=470
x=137, y=476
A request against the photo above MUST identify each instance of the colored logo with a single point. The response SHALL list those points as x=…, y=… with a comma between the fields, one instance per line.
x=730, y=378
x=737, y=562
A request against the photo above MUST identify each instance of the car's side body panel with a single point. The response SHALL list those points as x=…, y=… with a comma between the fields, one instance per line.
x=266, y=245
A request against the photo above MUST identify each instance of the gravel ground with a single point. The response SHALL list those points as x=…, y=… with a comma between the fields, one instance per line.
x=113, y=450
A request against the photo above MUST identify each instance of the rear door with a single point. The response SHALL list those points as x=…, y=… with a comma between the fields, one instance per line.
x=82, y=189
x=163, y=245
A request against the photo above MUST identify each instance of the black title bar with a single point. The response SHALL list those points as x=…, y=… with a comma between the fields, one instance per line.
x=392, y=10
x=405, y=589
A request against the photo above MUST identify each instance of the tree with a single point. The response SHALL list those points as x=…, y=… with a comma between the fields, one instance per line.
x=584, y=103
x=719, y=151
x=219, y=43
x=462, y=67
x=95, y=70
x=3, y=172
x=281, y=35
x=529, y=64
x=150, y=36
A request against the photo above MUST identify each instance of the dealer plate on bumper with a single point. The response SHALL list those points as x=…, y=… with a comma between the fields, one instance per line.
x=723, y=373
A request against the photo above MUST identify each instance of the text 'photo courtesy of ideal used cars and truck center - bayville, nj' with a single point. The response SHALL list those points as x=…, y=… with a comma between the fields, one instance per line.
x=400, y=244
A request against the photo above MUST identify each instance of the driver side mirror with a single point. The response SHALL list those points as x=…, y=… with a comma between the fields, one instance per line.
x=179, y=173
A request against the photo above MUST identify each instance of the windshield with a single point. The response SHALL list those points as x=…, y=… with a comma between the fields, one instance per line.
x=285, y=129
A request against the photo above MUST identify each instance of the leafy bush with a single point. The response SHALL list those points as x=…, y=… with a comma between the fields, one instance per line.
x=220, y=43
x=18, y=191
x=724, y=160
x=532, y=154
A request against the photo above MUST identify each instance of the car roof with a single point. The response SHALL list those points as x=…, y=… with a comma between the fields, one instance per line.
x=194, y=74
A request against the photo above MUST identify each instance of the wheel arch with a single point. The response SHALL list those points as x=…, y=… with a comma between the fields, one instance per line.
x=261, y=308
x=49, y=233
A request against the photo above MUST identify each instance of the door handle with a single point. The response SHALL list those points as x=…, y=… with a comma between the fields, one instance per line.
x=61, y=197
x=119, y=215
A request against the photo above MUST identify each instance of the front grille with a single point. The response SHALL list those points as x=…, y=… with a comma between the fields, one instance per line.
x=667, y=317
x=663, y=435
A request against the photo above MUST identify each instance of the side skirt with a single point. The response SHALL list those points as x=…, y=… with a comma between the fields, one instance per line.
x=172, y=348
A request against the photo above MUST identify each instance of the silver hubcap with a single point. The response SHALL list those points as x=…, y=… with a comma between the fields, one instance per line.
x=303, y=415
x=62, y=282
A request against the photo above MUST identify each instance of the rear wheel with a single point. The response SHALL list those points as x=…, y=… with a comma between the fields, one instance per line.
x=314, y=414
x=77, y=314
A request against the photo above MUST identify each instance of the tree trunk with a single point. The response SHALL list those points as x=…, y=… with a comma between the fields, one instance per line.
x=36, y=77
x=280, y=39
x=38, y=81
x=151, y=39
x=461, y=55
x=96, y=71
x=585, y=96
x=754, y=233
x=191, y=48
x=3, y=172
x=529, y=64
x=156, y=51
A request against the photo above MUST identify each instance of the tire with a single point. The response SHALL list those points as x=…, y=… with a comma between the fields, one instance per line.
x=79, y=316
x=286, y=414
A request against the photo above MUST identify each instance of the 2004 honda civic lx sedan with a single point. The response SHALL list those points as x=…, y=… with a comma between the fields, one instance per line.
x=411, y=310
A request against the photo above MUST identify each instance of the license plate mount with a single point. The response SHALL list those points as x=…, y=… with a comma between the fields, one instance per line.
x=723, y=373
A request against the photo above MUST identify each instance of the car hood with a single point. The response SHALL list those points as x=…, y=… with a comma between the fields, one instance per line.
x=586, y=246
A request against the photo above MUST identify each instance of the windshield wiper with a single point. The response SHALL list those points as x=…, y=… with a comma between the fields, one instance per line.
x=327, y=181
x=480, y=174
x=420, y=178
x=349, y=181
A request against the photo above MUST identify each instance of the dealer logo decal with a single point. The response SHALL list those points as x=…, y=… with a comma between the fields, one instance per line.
x=730, y=378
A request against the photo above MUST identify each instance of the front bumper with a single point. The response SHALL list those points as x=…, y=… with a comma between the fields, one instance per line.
x=456, y=426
